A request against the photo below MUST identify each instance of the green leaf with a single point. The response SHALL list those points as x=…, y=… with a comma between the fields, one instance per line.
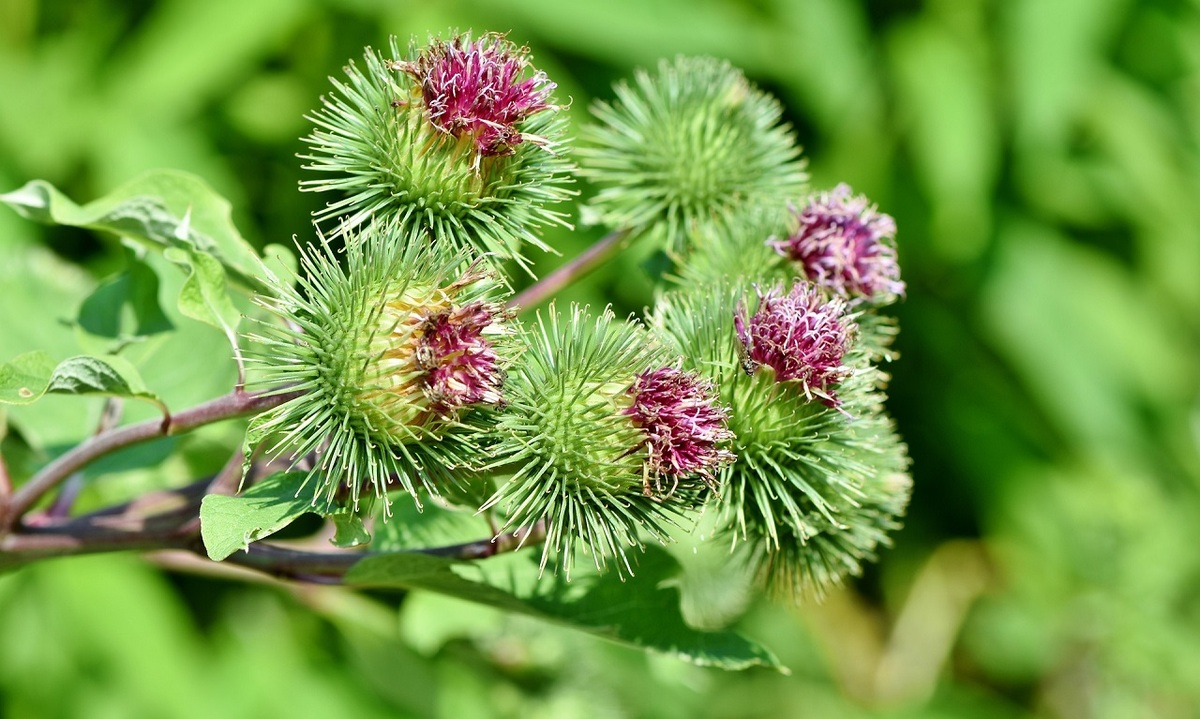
x=99, y=375
x=642, y=611
x=204, y=295
x=125, y=306
x=24, y=380
x=162, y=208
x=229, y=524
x=40, y=293
x=349, y=530
x=433, y=525
x=30, y=376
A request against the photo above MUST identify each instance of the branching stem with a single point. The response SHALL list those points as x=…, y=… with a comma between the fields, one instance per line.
x=234, y=404
x=170, y=520
x=288, y=563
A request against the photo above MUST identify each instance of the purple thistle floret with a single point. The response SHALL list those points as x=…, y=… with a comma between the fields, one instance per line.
x=846, y=245
x=475, y=89
x=802, y=336
x=683, y=424
x=460, y=365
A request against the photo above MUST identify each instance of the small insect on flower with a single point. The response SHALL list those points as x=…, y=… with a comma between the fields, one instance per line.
x=845, y=245
x=802, y=336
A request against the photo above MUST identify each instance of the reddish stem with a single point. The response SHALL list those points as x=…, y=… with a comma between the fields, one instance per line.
x=592, y=257
x=234, y=404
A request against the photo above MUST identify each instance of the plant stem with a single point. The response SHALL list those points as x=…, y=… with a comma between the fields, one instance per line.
x=6, y=491
x=6, y=487
x=170, y=519
x=129, y=527
x=590, y=259
x=234, y=404
x=227, y=480
x=290, y=563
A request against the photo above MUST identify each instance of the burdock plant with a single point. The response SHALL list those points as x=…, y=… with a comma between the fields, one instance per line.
x=390, y=370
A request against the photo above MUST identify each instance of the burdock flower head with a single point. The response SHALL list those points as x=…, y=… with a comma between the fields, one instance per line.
x=693, y=146
x=459, y=137
x=395, y=352
x=478, y=89
x=802, y=336
x=597, y=436
x=844, y=244
x=685, y=428
x=816, y=486
x=459, y=362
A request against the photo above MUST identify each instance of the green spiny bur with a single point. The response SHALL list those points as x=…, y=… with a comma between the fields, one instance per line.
x=815, y=488
x=693, y=146
x=356, y=342
x=578, y=462
x=376, y=147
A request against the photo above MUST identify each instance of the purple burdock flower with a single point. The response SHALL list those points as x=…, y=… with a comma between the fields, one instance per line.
x=843, y=243
x=802, y=336
x=476, y=89
x=683, y=424
x=460, y=364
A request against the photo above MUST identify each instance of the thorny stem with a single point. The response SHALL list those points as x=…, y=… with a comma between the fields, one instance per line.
x=234, y=404
x=590, y=259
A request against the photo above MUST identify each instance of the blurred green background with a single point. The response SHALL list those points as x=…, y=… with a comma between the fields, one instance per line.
x=1041, y=159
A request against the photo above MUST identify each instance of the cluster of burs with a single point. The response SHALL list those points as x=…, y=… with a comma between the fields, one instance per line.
x=748, y=400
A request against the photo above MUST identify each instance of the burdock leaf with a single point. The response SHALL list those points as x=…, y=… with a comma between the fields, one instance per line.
x=27, y=378
x=642, y=611
x=160, y=209
x=229, y=524
x=125, y=306
x=24, y=379
x=204, y=295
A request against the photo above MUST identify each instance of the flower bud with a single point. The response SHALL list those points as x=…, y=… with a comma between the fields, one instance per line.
x=458, y=138
x=476, y=89
x=693, y=146
x=802, y=336
x=591, y=438
x=425, y=357
x=817, y=486
x=684, y=426
x=845, y=245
